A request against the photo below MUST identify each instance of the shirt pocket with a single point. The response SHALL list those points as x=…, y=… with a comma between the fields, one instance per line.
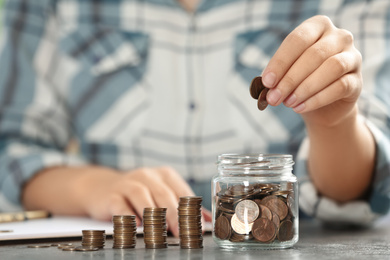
x=105, y=50
x=253, y=49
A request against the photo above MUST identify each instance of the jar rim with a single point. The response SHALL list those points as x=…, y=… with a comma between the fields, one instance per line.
x=255, y=161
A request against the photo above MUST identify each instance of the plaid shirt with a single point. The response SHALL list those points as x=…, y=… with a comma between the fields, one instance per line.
x=144, y=83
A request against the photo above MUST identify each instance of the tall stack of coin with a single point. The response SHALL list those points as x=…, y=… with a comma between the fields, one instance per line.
x=125, y=231
x=190, y=222
x=93, y=238
x=259, y=212
x=155, y=228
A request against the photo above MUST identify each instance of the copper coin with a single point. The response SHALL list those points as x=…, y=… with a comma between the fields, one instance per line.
x=222, y=228
x=86, y=248
x=240, y=238
x=70, y=248
x=282, y=192
x=240, y=190
x=262, y=101
x=237, y=237
x=276, y=220
x=240, y=227
x=258, y=202
x=263, y=230
x=62, y=247
x=256, y=87
x=265, y=212
x=62, y=244
x=247, y=211
x=39, y=246
x=286, y=231
x=277, y=206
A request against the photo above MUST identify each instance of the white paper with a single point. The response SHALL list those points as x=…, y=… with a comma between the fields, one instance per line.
x=53, y=227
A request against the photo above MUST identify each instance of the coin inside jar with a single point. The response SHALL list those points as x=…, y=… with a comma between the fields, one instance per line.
x=286, y=231
x=264, y=230
x=240, y=227
x=222, y=228
x=247, y=211
x=276, y=205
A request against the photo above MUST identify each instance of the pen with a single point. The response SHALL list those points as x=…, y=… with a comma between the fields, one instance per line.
x=23, y=216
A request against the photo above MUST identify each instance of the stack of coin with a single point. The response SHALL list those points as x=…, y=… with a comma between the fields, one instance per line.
x=155, y=228
x=258, y=212
x=125, y=231
x=190, y=222
x=93, y=238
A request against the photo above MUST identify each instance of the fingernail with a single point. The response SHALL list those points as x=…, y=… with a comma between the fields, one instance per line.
x=299, y=108
x=269, y=79
x=290, y=100
x=273, y=96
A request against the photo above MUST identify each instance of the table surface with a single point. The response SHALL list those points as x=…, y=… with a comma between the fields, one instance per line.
x=315, y=242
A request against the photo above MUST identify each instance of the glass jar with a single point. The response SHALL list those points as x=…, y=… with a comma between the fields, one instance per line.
x=255, y=202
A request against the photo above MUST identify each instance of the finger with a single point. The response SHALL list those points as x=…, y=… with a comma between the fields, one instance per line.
x=306, y=64
x=300, y=39
x=176, y=183
x=336, y=91
x=330, y=71
x=206, y=215
x=163, y=196
x=119, y=206
x=138, y=196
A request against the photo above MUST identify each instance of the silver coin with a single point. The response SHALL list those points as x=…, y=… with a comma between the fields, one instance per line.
x=247, y=211
x=240, y=227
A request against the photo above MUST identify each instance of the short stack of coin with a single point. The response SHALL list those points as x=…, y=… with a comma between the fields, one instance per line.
x=259, y=212
x=125, y=231
x=155, y=228
x=190, y=222
x=93, y=238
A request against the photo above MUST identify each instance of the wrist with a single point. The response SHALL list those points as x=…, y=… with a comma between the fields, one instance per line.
x=330, y=126
x=341, y=158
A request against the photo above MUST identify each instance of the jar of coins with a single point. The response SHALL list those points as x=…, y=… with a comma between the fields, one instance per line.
x=255, y=202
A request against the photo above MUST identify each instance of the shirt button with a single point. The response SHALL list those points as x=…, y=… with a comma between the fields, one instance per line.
x=192, y=106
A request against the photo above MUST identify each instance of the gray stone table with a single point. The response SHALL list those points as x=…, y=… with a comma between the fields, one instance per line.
x=315, y=243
